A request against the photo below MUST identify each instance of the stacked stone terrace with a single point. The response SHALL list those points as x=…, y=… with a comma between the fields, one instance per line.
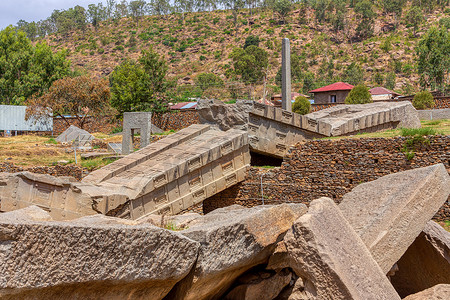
x=272, y=130
x=165, y=177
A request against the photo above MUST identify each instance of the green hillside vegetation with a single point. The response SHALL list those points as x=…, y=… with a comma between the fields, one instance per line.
x=368, y=42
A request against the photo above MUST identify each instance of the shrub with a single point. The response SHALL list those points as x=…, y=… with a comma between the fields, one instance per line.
x=251, y=40
x=423, y=100
x=301, y=105
x=359, y=95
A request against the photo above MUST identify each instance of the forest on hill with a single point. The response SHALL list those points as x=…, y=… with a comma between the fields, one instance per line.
x=174, y=50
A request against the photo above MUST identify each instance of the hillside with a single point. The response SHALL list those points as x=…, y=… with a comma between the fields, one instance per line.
x=204, y=40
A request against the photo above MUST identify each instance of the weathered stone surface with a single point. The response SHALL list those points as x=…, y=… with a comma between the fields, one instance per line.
x=438, y=292
x=348, y=119
x=233, y=240
x=72, y=133
x=272, y=130
x=426, y=263
x=224, y=116
x=60, y=196
x=94, y=257
x=286, y=75
x=390, y=212
x=332, y=258
x=260, y=286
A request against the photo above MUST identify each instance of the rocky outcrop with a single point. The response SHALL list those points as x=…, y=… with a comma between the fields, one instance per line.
x=390, y=212
x=332, y=258
x=233, y=240
x=95, y=257
x=223, y=116
x=426, y=263
x=438, y=292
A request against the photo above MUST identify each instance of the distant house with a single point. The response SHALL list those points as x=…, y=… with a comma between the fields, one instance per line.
x=382, y=94
x=333, y=93
x=276, y=99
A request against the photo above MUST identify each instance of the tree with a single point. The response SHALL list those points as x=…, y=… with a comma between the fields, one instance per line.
x=366, y=15
x=308, y=82
x=378, y=78
x=137, y=10
x=96, y=14
x=250, y=63
x=359, y=95
x=354, y=74
x=390, y=80
x=80, y=96
x=423, y=100
x=235, y=6
x=31, y=29
x=141, y=85
x=206, y=80
x=395, y=7
x=301, y=105
x=433, y=59
x=415, y=17
x=26, y=69
x=251, y=40
x=282, y=8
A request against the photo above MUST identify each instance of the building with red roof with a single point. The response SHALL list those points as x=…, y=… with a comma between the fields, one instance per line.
x=333, y=93
x=382, y=94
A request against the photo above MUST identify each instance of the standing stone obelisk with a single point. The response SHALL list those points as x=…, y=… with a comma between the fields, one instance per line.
x=286, y=76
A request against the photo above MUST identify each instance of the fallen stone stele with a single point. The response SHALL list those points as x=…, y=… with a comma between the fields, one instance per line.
x=390, y=212
x=332, y=258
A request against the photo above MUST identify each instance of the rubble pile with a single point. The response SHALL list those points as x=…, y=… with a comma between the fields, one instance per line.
x=378, y=243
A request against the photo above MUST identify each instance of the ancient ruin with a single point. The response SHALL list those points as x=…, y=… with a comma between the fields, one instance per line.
x=282, y=251
x=165, y=177
x=271, y=130
x=122, y=232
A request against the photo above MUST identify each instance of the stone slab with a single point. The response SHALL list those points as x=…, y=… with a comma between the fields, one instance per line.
x=94, y=257
x=332, y=258
x=390, y=212
x=438, y=292
x=426, y=263
x=72, y=133
x=233, y=240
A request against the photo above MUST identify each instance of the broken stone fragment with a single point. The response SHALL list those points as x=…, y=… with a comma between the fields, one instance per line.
x=262, y=287
x=233, y=240
x=390, y=212
x=94, y=257
x=437, y=292
x=332, y=259
x=426, y=263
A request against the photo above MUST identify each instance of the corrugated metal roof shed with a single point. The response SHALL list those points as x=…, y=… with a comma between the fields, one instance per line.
x=12, y=117
x=184, y=105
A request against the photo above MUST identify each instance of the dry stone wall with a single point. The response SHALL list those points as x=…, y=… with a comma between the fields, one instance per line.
x=331, y=168
x=58, y=170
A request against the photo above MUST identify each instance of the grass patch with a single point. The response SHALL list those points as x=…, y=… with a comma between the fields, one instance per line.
x=435, y=122
x=424, y=131
x=93, y=164
x=266, y=167
x=165, y=132
x=446, y=225
x=52, y=141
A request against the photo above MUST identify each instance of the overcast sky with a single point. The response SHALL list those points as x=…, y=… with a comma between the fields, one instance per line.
x=11, y=11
